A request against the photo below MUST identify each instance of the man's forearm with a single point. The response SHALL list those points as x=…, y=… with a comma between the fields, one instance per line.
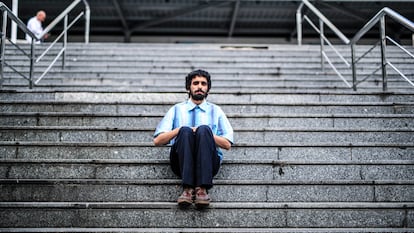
x=222, y=142
x=165, y=137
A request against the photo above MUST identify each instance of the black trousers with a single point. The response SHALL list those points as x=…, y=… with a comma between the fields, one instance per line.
x=194, y=157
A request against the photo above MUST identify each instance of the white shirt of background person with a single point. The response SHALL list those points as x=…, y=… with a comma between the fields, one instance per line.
x=35, y=25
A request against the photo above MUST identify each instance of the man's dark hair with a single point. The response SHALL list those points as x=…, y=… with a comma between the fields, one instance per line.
x=195, y=73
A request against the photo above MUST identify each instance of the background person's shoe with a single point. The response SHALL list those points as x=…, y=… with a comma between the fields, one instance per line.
x=186, y=198
x=202, y=200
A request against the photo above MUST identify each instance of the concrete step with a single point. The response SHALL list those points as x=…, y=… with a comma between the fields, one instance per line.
x=212, y=63
x=242, y=135
x=238, y=120
x=174, y=83
x=211, y=230
x=210, y=52
x=176, y=65
x=201, y=47
x=152, y=79
x=166, y=214
x=215, y=97
x=153, y=84
x=85, y=85
x=135, y=107
x=216, y=66
x=128, y=87
x=124, y=74
x=330, y=152
x=231, y=169
x=167, y=190
x=105, y=84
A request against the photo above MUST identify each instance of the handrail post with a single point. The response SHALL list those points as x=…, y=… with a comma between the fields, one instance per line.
x=32, y=61
x=299, y=24
x=13, y=33
x=3, y=47
x=322, y=44
x=65, y=40
x=87, y=21
x=354, y=76
x=383, y=53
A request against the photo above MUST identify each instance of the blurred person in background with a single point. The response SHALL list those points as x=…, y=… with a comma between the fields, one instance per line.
x=35, y=25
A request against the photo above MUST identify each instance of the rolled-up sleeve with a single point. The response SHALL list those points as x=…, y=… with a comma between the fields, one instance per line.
x=166, y=124
x=224, y=127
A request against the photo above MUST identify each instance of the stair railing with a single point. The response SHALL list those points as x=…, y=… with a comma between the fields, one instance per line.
x=8, y=14
x=323, y=39
x=379, y=17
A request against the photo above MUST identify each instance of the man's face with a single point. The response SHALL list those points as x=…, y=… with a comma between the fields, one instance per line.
x=41, y=16
x=198, y=88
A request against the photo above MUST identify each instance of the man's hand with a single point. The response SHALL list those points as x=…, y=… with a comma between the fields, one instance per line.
x=166, y=137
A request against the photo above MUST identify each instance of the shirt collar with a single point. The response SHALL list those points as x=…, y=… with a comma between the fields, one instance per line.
x=191, y=105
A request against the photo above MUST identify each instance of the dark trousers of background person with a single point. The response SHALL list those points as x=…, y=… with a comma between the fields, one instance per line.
x=194, y=157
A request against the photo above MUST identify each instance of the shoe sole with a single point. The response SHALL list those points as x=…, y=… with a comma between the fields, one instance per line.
x=202, y=204
x=184, y=203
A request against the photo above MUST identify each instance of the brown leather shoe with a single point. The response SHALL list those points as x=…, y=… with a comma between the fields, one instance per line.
x=186, y=198
x=202, y=200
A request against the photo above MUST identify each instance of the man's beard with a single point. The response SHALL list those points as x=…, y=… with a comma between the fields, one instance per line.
x=199, y=96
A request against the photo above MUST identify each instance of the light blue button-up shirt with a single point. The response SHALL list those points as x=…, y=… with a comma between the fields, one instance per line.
x=206, y=113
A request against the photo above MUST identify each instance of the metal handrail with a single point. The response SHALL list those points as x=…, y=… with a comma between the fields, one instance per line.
x=7, y=13
x=321, y=17
x=20, y=24
x=379, y=17
x=322, y=21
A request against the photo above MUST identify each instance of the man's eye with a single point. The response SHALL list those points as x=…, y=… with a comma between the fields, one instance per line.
x=197, y=83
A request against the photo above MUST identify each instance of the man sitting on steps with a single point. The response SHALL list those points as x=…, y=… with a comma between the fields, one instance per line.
x=196, y=129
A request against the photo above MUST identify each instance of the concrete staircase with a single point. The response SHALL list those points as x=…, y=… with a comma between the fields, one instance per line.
x=76, y=152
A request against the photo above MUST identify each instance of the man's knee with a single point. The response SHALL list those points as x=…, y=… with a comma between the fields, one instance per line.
x=203, y=130
x=185, y=131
